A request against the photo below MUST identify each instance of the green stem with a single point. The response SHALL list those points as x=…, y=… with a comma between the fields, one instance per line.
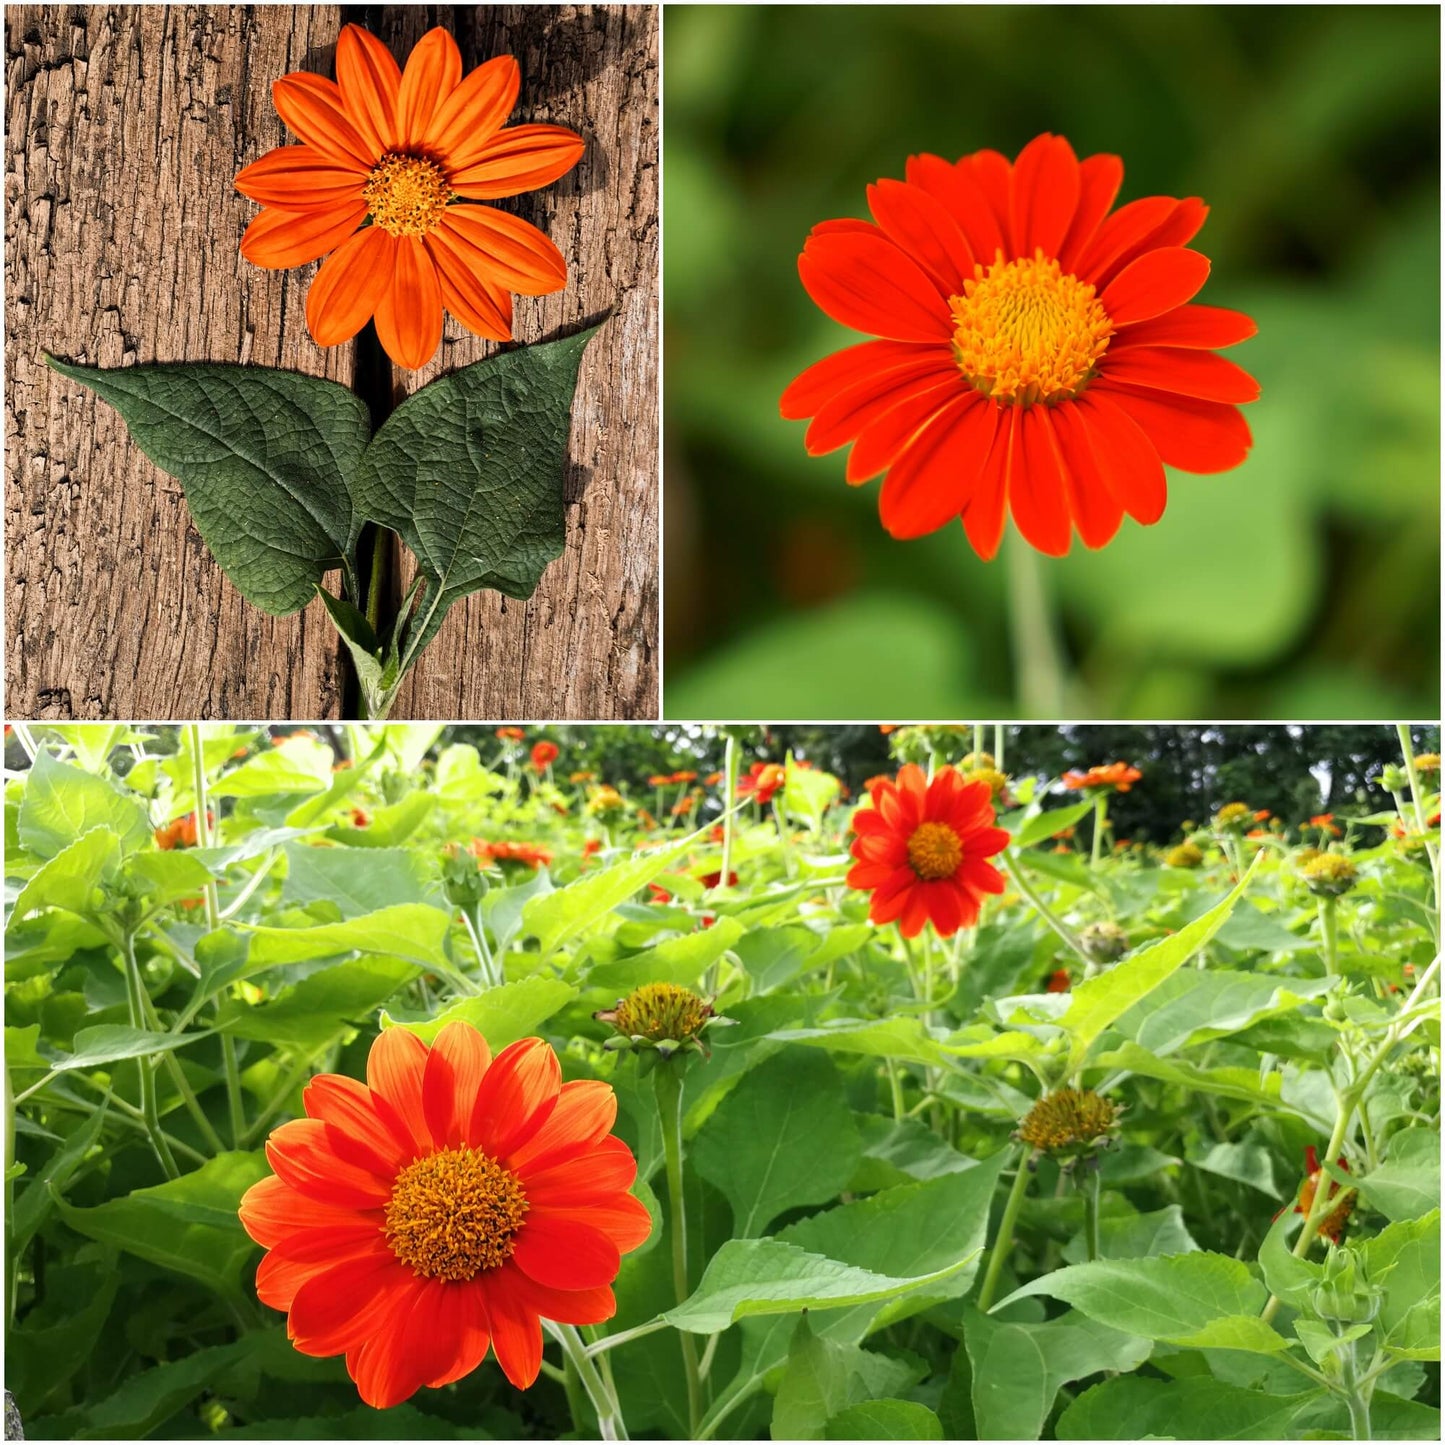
x=1089, y=1189
x=610, y=1425
x=235, y=1104
x=668, y=1082
x=1042, y=908
x=1003, y=1240
x=376, y=584
x=1101, y=817
x=193, y=1104
x=1416, y=793
x=896, y=1089
x=203, y=822
x=1038, y=664
x=135, y=992
x=1329, y=929
x=1355, y=1401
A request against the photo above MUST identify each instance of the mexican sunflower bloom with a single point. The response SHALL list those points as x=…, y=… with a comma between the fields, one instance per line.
x=1036, y=351
x=448, y=1205
x=762, y=781
x=388, y=159
x=923, y=850
x=1106, y=775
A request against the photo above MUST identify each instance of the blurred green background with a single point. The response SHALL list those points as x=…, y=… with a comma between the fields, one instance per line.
x=1305, y=584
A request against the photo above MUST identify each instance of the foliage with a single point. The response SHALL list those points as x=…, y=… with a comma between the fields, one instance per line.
x=869, y=1251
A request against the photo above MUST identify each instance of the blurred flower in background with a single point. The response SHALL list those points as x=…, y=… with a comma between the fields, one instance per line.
x=1305, y=583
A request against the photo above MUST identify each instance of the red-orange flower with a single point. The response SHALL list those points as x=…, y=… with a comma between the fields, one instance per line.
x=1059, y=981
x=511, y=735
x=922, y=848
x=502, y=851
x=761, y=781
x=1109, y=775
x=1332, y=1224
x=1036, y=354
x=1326, y=823
x=447, y=1205
x=388, y=161
x=181, y=832
x=544, y=754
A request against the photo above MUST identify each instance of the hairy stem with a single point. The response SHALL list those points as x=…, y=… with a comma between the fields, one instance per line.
x=668, y=1081
x=1003, y=1240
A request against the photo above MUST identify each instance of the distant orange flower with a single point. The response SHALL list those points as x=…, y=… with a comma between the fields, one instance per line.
x=1332, y=1225
x=922, y=850
x=659, y=780
x=1326, y=823
x=1111, y=775
x=1037, y=354
x=360, y=818
x=685, y=776
x=711, y=880
x=544, y=754
x=1262, y=815
x=181, y=832
x=530, y=854
x=582, y=777
x=713, y=779
x=387, y=158
x=1059, y=981
x=446, y=1206
x=762, y=781
x=511, y=735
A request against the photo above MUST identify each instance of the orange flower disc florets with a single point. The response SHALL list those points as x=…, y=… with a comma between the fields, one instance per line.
x=454, y=1214
x=406, y=195
x=1027, y=331
x=934, y=851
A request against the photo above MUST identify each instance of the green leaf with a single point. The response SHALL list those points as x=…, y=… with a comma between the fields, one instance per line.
x=1098, y=1002
x=1409, y=1320
x=62, y=804
x=264, y=458
x=504, y=1014
x=357, y=881
x=110, y=1043
x=1134, y=1407
x=1045, y=825
x=1407, y=1183
x=412, y=931
x=321, y=1005
x=39, y=1358
x=563, y=914
x=682, y=960
x=361, y=642
x=35, y=1201
x=1018, y=1369
x=767, y=1277
x=298, y=766
x=808, y=793
x=900, y=1037
x=884, y=1420
x=188, y=1225
x=469, y=471
x=1193, y=1299
x=72, y=878
x=166, y=877
x=822, y=1378
x=784, y=1136
x=1229, y=1081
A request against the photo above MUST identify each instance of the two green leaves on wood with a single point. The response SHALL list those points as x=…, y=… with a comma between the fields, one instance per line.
x=281, y=472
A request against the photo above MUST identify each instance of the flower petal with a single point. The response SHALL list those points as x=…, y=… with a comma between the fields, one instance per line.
x=516, y=1098
x=301, y=1154
x=883, y=438
x=599, y=1174
x=987, y=508
x=504, y=249
x=1120, y=231
x=843, y=418
x=1043, y=195
x=394, y=1070
x=480, y=305
x=1157, y=282
x=1189, y=373
x=931, y=482
x=345, y=1106
x=921, y=225
x=585, y=1110
x=516, y=1330
x=1125, y=457
x=409, y=314
x=313, y=108
x=369, y=79
x=835, y=373
x=1096, y=509
x=279, y=240
x=565, y=1255
x=349, y=286
x=455, y=1067
x=954, y=186
x=520, y=158
x=1036, y=486
x=865, y=281
x=1205, y=327
x=1099, y=180
x=1177, y=228
x=301, y=178
x=1195, y=436
x=433, y=71
x=475, y=111
x=340, y=1308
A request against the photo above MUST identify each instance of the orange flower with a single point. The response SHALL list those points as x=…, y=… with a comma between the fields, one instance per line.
x=360, y=818
x=1326, y=823
x=1262, y=815
x=659, y=780
x=511, y=735
x=451, y=1202
x=544, y=754
x=1037, y=353
x=922, y=849
x=711, y=880
x=181, y=832
x=1059, y=981
x=762, y=781
x=583, y=777
x=530, y=854
x=399, y=150
x=1332, y=1225
x=685, y=776
x=1111, y=775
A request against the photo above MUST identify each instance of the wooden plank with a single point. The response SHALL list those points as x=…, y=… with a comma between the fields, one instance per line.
x=585, y=645
x=124, y=128
x=124, y=133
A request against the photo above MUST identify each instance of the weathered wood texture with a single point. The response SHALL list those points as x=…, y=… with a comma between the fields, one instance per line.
x=124, y=129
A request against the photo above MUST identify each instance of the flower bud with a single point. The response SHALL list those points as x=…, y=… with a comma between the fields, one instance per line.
x=1104, y=942
x=1328, y=875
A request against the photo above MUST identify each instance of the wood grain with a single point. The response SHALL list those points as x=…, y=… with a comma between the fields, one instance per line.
x=125, y=127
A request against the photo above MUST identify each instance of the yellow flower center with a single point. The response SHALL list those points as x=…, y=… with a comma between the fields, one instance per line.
x=1026, y=332
x=934, y=851
x=406, y=195
x=660, y=1011
x=454, y=1214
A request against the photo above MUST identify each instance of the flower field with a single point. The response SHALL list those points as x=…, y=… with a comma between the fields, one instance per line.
x=417, y=1082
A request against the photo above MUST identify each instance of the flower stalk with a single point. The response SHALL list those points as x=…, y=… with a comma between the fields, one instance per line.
x=1004, y=1238
x=668, y=1083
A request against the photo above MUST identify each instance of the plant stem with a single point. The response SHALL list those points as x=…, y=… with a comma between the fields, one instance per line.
x=235, y=1104
x=1355, y=1401
x=1090, y=1193
x=203, y=822
x=668, y=1083
x=1042, y=908
x=1403, y=733
x=1038, y=665
x=1003, y=1240
x=135, y=992
x=376, y=583
x=1330, y=931
x=610, y=1425
x=1101, y=816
